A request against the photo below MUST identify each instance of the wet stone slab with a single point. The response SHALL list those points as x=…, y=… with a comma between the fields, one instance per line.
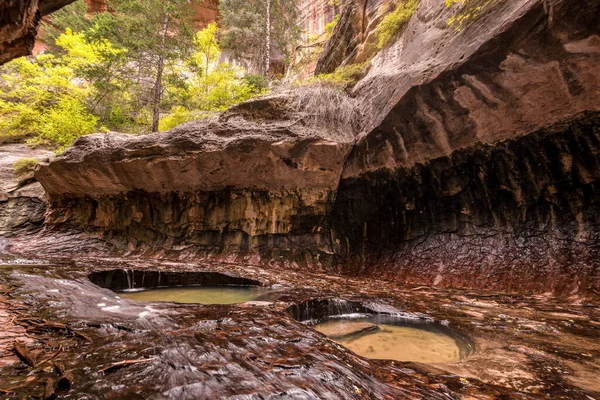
x=341, y=329
x=526, y=346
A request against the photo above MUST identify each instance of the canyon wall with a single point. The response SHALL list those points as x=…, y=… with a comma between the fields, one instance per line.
x=480, y=148
x=475, y=162
x=205, y=12
x=315, y=14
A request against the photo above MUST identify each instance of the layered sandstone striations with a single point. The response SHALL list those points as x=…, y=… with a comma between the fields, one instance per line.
x=353, y=39
x=258, y=180
x=480, y=148
x=19, y=21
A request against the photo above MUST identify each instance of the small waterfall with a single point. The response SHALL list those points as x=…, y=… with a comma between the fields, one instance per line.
x=130, y=277
x=339, y=307
x=387, y=309
x=312, y=310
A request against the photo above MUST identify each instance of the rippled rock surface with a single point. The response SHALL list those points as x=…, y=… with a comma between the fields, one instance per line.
x=258, y=180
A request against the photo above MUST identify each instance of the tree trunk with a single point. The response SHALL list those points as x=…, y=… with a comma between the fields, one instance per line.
x=268, y=41
x=159, y=73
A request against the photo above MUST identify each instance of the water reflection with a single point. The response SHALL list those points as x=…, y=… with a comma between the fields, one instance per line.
x=199, y=294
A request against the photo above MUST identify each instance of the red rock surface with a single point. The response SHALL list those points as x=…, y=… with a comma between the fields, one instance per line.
x=19, y=21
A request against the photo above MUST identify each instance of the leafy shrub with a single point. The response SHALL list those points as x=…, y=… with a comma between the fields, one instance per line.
x=118, y=116
x=178, y=116
x=393, y=22
x=220, y=89
x=46, y=97
x=331, y=26
x=343, y=77
x=59, y=126
x=24, y=166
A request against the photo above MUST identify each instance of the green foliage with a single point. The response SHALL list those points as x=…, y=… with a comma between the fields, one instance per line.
x=393, y=22
x=209, y=87
x=45, y=98
x=206, y=48
x=24, y=166
x=100, y=76
x=177, y=116
x=220, y=89
x=257, y=83
x=331, y=26
x=470, y=9
x=72, y=17
x=59, y=126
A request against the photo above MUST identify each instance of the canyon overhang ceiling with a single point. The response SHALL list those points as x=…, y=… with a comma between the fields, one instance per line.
x=19, y=22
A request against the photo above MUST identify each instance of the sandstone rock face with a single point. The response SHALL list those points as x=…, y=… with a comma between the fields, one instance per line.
x=95, y=6
x=518, y=215
x=517, y=67
x=315, y=14
x=19, y=22
x=22, y=198
x=353, y=39
x=249, y=181
x=476, y=149
x=205, y=12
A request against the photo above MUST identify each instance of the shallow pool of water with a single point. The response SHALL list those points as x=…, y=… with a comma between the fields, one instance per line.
x=385, y=338
x=199, y=294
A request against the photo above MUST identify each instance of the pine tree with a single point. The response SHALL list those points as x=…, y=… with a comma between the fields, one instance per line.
x=157, y=34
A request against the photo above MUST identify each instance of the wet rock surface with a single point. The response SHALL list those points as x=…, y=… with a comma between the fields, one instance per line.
x=527, y=346
x=476, y=164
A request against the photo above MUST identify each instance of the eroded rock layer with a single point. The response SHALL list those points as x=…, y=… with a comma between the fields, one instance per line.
x=477, y=165
x=522, y=215
x=249, y=182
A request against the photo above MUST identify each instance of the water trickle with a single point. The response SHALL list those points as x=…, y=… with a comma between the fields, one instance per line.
x=316, y=309
x=339, y=307
x=130, y=278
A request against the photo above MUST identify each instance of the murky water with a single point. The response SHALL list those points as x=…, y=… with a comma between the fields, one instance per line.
x=199, y=294
x=379, y=339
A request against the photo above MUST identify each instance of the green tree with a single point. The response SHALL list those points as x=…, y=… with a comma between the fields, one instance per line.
x=207, y=48
x=45, y=99
x=157, y=35
x=72, y=17
x=256, y=29
x=208, y=87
